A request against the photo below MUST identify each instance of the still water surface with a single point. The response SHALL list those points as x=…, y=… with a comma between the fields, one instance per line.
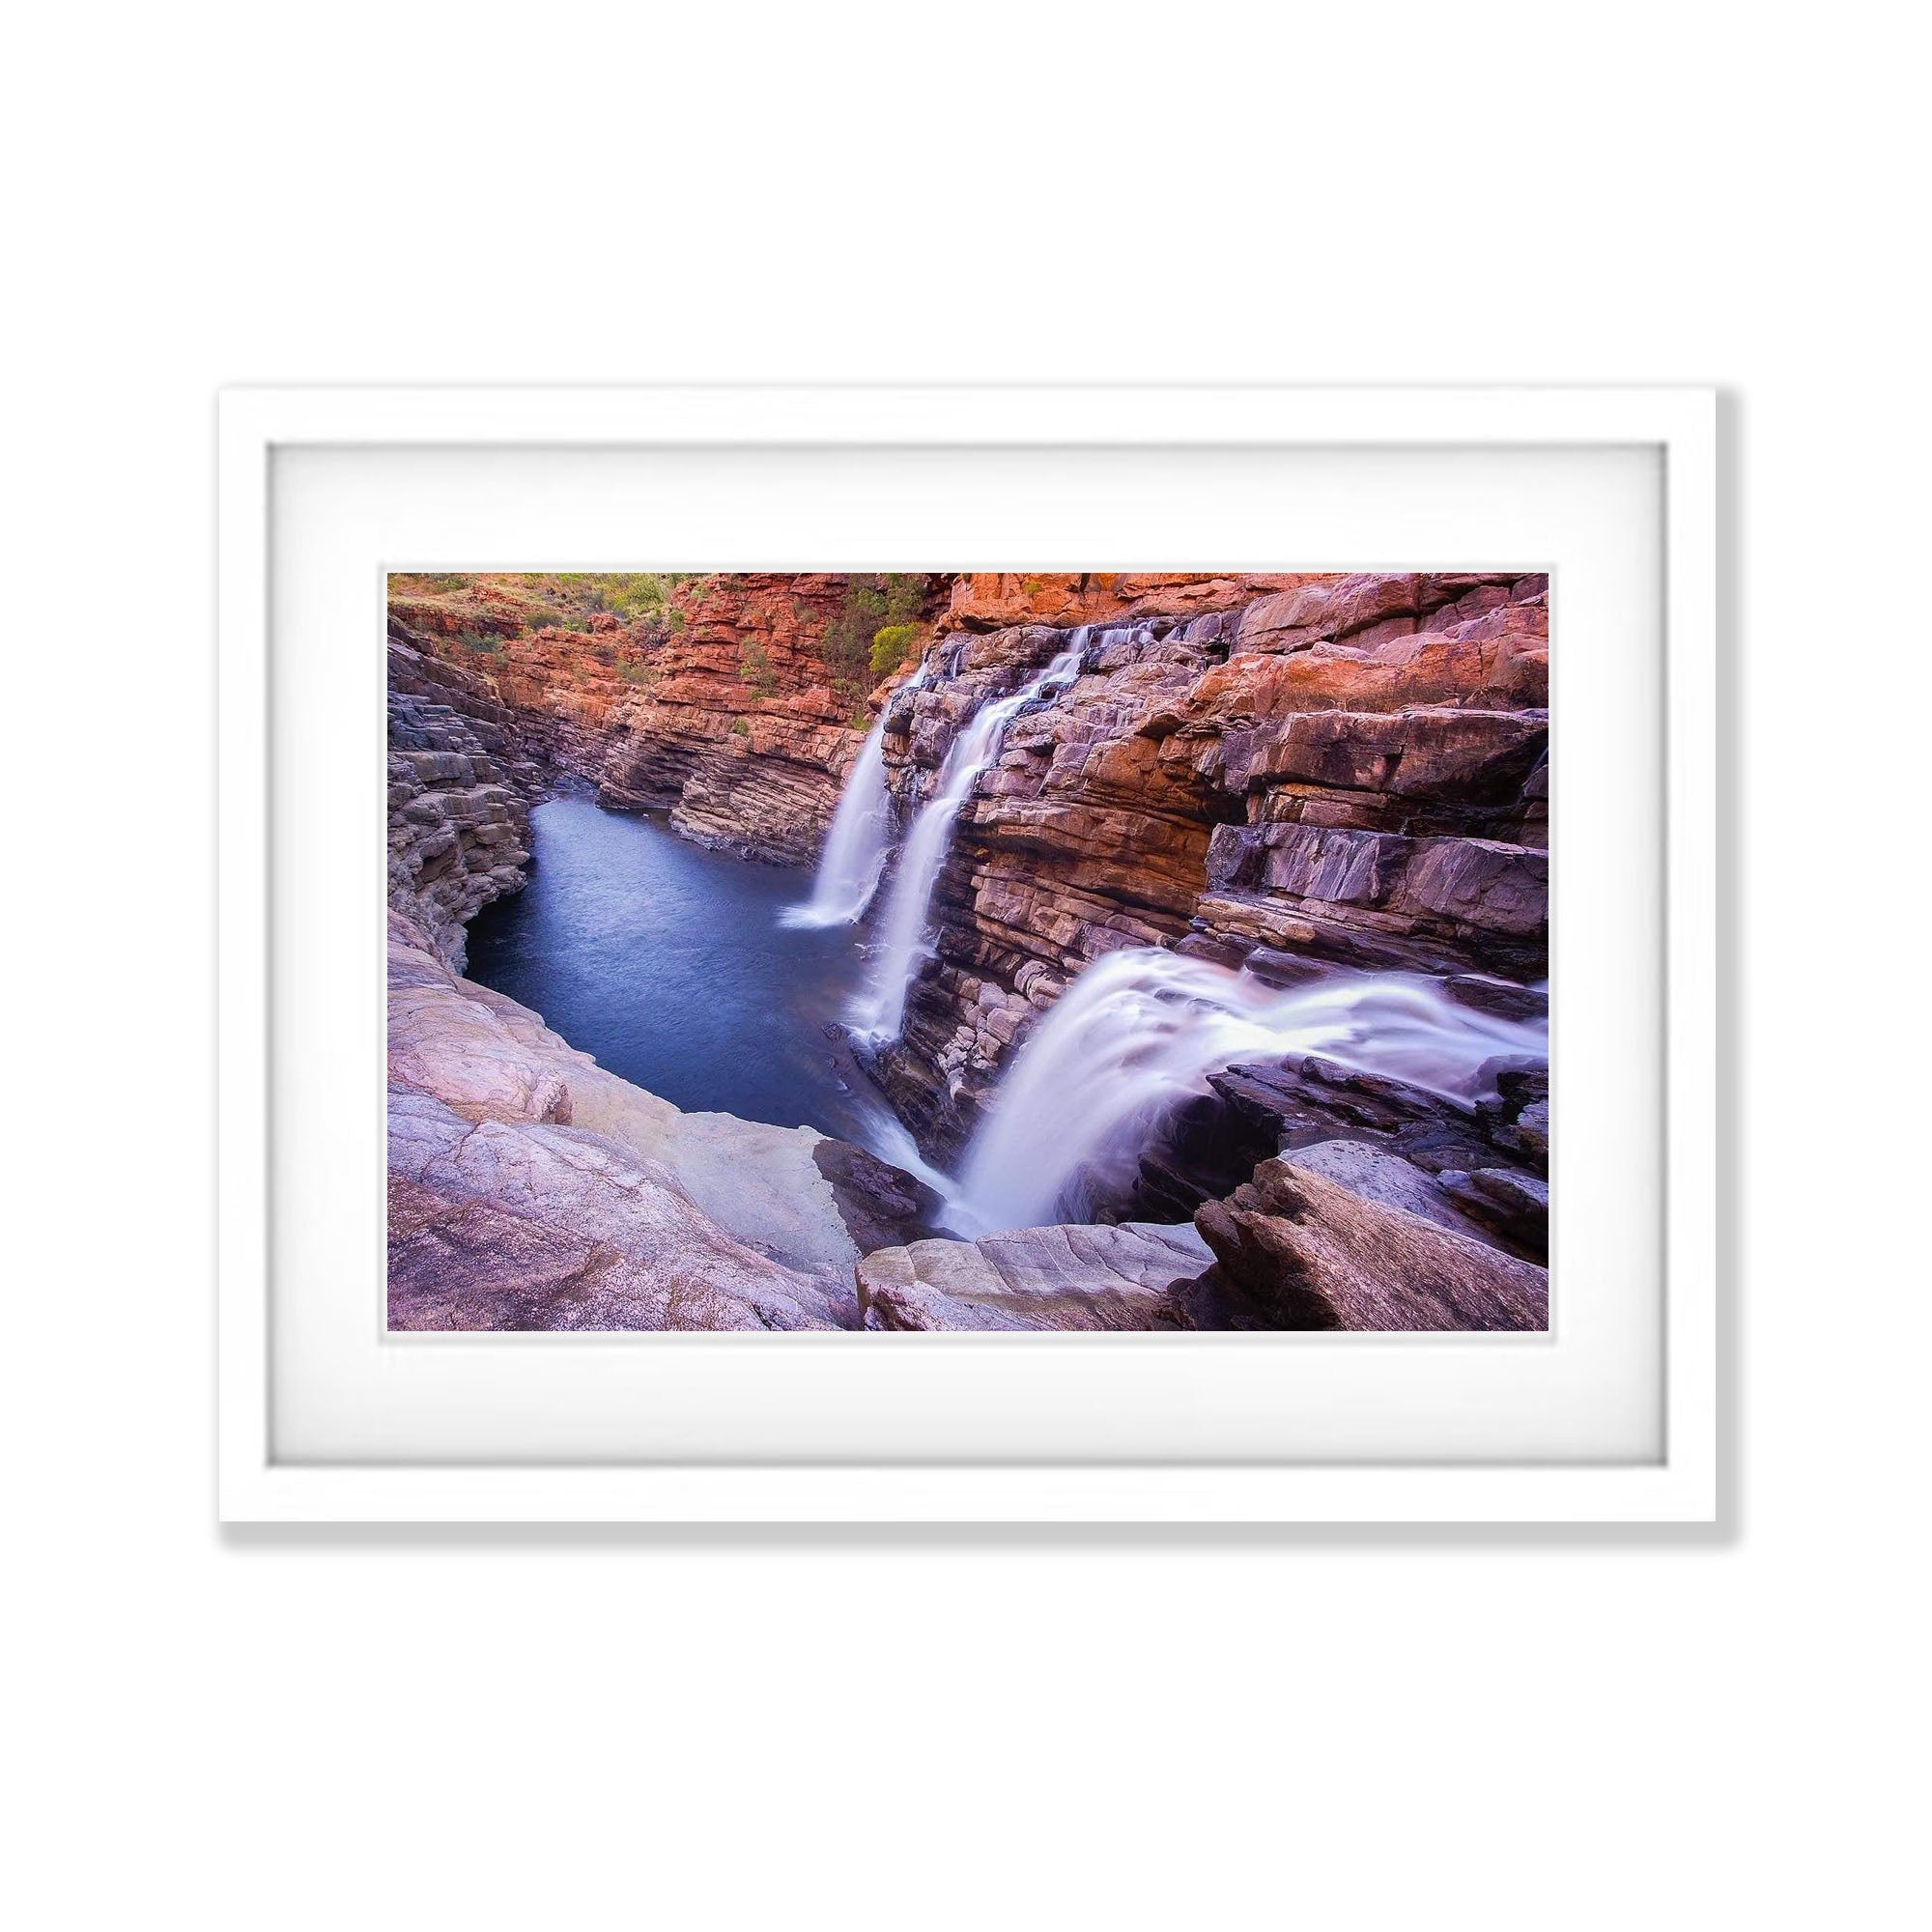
x=667, y=963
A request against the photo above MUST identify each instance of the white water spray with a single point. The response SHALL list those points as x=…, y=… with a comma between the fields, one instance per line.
x=879, y=1012
x=859, y=840
x=1141, y=1030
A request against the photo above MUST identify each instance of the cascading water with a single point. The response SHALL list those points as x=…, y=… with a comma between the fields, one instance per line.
x=1140, y=1030
x=860, y=838
x=879, y=1012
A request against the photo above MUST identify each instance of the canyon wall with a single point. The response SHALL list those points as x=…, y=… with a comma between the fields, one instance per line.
x=460, y=784
x=744, y=734
x=1291, y=772
x=729, y=709
x=1263, y=769
x=1336, y=771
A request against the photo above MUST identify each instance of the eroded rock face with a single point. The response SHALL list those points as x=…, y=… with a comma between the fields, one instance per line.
x=744, y=734
x=459, y=824
x=542, y=695
x=1071, y=1278
x=1295, y=1250
x=1310, y=770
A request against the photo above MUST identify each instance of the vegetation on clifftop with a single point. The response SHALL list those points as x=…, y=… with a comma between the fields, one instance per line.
x=874, y=601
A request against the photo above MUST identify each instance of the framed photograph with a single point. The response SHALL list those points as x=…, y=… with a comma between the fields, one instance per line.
x=966, y=955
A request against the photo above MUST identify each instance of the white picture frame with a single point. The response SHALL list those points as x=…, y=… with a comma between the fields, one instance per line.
x=1679, y=1483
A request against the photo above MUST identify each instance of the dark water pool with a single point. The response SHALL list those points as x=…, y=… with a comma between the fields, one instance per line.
x=667, y=962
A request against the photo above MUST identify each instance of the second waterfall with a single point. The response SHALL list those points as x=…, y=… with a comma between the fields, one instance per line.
x=878, y=1015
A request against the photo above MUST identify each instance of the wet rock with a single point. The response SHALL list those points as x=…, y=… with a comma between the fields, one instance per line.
x=1501, y=997
x=1358, y=784
x=1517, y=1119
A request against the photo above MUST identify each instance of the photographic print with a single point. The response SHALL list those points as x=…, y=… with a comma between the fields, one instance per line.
x=968, y=951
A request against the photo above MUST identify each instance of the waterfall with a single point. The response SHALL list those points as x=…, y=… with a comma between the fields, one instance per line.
x=879, y=1012
x=860, y=837
x=1141, y=1029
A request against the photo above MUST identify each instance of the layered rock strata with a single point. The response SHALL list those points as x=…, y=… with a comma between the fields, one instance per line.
x=1336, y=771
x=744, y=734
x=1293, y=1249
x=1482, y=1170
x=459, y=828
x=1289, y=773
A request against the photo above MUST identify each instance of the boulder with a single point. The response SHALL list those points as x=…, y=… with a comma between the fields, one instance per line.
x=1034, y=1278
x=1297, y=1250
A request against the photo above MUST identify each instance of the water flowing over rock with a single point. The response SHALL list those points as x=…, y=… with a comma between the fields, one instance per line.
x=1223, y=901
x=744, y=732
x=880, y=1010
x=1142, y=1030
x=1297, y=773
x=859, y=842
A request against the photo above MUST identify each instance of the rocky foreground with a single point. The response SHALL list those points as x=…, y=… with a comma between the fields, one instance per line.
x=530, y=1190
x=1289, y=773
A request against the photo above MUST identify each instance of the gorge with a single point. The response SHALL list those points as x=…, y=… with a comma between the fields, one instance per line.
x=1197, y=925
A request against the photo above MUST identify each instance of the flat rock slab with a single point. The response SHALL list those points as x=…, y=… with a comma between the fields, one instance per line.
x=500, y=1224
x=1071, y=1278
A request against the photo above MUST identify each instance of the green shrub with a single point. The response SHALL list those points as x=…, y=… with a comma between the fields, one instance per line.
x=639, y=674
x=740, y=728
x=676, y=621
x=873, y=600
x=890, y=648
x=754, y=668
x=484, y=644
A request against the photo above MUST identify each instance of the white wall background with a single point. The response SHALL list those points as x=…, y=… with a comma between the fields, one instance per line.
x=597, y=1729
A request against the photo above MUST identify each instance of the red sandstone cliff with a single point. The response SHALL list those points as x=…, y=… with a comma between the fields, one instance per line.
x=1351, y=770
